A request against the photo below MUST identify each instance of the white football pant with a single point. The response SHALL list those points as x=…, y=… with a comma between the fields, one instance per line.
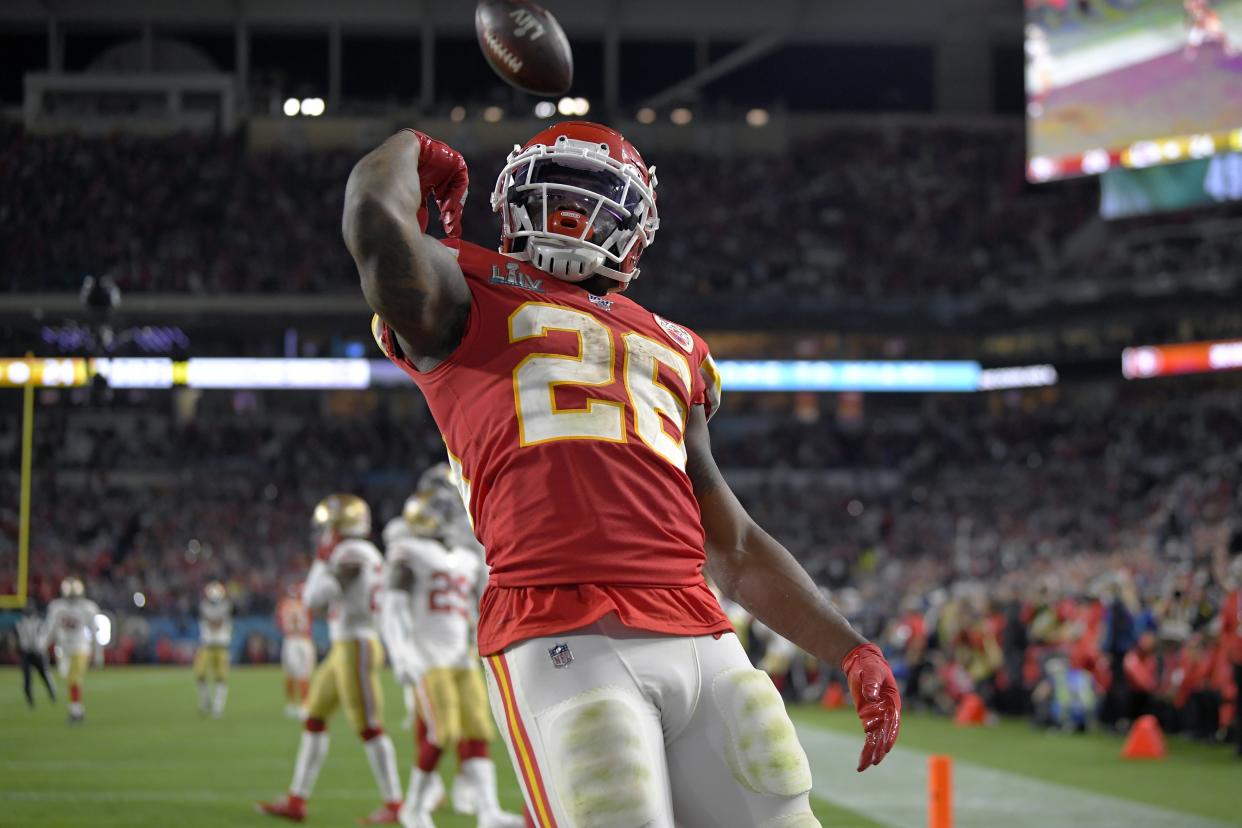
x=640, y=729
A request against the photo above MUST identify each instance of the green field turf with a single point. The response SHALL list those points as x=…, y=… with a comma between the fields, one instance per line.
x=145, y=758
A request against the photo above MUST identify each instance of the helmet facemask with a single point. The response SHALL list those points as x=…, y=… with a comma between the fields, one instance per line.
x=574, y=211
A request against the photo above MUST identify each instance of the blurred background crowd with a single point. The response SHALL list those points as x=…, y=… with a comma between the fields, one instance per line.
x=1071, y=560
x=909, y=209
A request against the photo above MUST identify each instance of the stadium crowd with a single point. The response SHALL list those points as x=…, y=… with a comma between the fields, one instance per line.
x=867, y=212
x=1068, y=559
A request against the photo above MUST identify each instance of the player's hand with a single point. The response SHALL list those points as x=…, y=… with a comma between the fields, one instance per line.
x=442, y=172
x=875, y=695
x=406, y=666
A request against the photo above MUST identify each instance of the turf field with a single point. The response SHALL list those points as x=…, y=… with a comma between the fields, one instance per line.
x=145, y=758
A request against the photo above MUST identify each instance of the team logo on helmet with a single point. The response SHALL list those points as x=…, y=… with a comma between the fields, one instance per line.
x=676, y=333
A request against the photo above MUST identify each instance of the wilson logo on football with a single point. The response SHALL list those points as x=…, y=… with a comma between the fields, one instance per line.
x=676, y=333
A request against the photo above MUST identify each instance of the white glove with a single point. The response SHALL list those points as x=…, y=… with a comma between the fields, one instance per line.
x=407, y=667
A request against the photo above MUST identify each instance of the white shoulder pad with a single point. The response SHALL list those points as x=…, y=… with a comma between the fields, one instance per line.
x=355, y=551
x=414, y=552
x=395, y=530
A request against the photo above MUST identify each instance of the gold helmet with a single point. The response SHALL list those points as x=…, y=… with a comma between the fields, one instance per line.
x=214, y=591
x=345, y=514
x=72, y=587
x=424, y=518
x=438, y=478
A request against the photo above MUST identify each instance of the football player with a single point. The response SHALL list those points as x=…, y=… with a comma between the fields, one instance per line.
x=211, y=662
x=71, y=622
x=577, y=424
x=297, y=649
x=1203, y=26
x=345, y=578
x=432, y=590
x=32, y=644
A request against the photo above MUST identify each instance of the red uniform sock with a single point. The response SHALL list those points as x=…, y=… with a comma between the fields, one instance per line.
x=75, y=693
x=471, y=749
x=304, y=688
x=428, y=754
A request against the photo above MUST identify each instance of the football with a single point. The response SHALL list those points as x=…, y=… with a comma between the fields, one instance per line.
x=525, y=45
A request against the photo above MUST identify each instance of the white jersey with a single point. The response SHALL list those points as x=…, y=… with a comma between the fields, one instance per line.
x=443, y=602
x=351, y=608
x=215, y=623
x=71, y=622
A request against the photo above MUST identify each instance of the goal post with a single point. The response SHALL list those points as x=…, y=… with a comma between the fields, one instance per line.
x=17, y=599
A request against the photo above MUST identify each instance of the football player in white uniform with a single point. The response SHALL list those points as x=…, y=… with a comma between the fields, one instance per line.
x=345, y=578
x=71, y=622
x=211, y=662
x=428, y=610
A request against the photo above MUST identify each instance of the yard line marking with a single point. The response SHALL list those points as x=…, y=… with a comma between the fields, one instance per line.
x=244, y=797
x=137, y=764
x=894, y=794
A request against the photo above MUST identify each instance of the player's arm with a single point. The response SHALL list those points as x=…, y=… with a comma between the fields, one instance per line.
x=409, y=279
x=321, y=586
x=753, y=569
x=397, y=621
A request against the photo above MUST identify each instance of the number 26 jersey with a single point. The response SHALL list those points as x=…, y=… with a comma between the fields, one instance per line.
x=564, y=415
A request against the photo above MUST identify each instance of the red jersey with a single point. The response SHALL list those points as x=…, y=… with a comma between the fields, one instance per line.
x=293, y=618
x=1231, y=625
x=564, y=414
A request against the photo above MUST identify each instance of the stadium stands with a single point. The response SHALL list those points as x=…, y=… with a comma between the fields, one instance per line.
x=868, y=213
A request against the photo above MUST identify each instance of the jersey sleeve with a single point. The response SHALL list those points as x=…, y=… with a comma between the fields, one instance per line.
x=706, y=387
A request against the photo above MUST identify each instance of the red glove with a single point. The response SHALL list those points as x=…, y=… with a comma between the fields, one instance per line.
x=875, y=695
x=441, y=172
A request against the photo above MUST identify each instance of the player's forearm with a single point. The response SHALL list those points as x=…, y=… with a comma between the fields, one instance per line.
x=761, y=575
x=321, y=587
x=380, y=223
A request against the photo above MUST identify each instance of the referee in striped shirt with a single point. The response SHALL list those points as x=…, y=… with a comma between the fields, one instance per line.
x=32, y=641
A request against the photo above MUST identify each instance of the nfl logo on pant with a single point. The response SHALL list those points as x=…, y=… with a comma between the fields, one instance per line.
x=561, y=656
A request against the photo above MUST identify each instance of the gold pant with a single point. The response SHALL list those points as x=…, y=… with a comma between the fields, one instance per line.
x=452, y=702
x=349, y=678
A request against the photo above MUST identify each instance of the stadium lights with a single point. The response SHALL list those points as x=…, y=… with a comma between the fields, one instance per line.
x=646, y=115
x=1095, y=161
x=757, y=117
x=493, y=114
x=292, y=106
x=358, y=373
x=1201, y=146
x=314, y=107
x=545, y=109
x=457, y=114
x=681, y=116
x=573, y=106
x=1041, y=168
x=1185, y=358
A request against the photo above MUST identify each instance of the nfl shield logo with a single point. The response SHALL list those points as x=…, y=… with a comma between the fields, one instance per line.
x=561, y=656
